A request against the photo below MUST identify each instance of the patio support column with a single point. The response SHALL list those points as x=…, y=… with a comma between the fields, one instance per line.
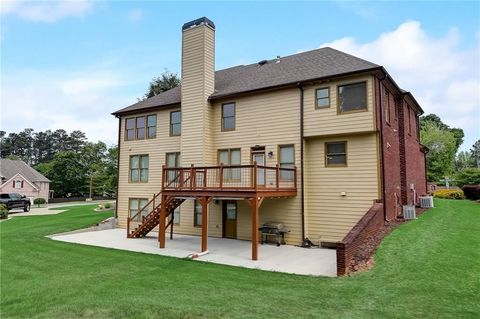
x=255, y=210
x=204, y=223
x=161, y=224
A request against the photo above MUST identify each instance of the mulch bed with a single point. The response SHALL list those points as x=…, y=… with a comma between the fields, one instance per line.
x=363, y=260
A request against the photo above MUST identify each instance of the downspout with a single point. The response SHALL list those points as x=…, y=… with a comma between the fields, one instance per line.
x=384, y=195
x=302, y=177
x=118, y=165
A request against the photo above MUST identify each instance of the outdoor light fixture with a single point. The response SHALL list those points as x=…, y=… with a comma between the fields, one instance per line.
x=270, y=154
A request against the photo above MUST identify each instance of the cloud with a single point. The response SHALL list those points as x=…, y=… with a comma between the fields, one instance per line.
x=72, y=100
x=443, y=77
x=135, y=15
x=45, y=11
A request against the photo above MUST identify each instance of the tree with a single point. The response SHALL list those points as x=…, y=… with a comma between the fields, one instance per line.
x=442, y=148
x=457, y=132
x=67, y=173
x=162, y=83
x=468, y=176
x=476, y=152
x=465, y=159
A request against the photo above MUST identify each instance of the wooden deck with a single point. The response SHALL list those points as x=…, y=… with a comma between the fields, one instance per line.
x=252, y=183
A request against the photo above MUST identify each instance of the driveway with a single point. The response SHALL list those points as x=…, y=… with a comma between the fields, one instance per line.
x=47, y=209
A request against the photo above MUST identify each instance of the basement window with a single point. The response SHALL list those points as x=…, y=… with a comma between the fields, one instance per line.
x=176, y=216
x=322, y=97
x=134, y=206
x=197, y=213
x=335, y=154
x=352, y=97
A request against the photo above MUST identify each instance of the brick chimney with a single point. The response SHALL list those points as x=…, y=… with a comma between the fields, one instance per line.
x=198, y=83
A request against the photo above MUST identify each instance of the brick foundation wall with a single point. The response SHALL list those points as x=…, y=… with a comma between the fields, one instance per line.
x=364, y=229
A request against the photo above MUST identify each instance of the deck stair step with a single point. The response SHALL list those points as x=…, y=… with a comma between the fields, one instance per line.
x=153, y=218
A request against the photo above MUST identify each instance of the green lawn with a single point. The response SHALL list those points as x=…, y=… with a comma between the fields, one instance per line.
x=428, y=268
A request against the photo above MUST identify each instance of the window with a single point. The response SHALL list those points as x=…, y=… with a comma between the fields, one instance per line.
x=151, y=126
x=176, y=216
x=130, y=129
x=230, y=157
x=387, y=106
x=336, y=154
x=175, y=123
x=352, y=97
x=228, y=117
x=18, y=184
x=172, y=160
x=286, y=159
x=134, y=206
x=197, y=214
x=141, y=127
x=322, y=97
x=139, y=168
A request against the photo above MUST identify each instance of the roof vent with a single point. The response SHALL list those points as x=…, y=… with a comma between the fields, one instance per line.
x=262, y=62
x=278, y=59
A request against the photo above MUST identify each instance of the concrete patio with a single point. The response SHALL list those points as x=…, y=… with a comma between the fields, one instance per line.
x=286, y=258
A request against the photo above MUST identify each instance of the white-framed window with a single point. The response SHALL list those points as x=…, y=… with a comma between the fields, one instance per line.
x=176, y=216
x=17, y=184
x=197, y=214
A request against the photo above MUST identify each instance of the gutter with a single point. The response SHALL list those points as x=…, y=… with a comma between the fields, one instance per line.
x=302, y=177
x=118, y=165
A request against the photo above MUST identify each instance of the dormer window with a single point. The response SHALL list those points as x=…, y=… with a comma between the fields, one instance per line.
x=352, y=97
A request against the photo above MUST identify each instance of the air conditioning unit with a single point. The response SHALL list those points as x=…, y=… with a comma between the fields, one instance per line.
x=409, y=212
x=426, y=201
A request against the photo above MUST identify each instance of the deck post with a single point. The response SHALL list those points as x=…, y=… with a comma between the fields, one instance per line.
x=161, y=224
x=221, y=176
x=191, y=176
x=204, y=223
x=277, y=177
x=128, y=227
x=255, y=209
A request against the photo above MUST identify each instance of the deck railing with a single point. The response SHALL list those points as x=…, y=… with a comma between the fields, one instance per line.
x=229, y=178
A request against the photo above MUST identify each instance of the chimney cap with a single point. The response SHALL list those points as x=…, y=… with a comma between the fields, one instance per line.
x=199, y=21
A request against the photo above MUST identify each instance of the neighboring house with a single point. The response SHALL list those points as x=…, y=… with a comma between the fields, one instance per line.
x=330, y=134
x=18, y=177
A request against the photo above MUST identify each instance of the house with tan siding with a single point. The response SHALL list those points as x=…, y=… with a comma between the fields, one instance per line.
x=312, y=140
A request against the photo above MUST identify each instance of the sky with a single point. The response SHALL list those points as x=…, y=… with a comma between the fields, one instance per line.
x=70, y=64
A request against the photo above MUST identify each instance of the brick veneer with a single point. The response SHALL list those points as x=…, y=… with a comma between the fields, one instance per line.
x=363, y=230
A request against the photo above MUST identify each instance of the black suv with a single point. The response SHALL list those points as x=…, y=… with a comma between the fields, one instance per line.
x=15, y=200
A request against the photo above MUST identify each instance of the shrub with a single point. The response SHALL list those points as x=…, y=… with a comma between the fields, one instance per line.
x=100, y=206
x=449, y=194
x=108, y=205
x=39, y=201
x=3, y=211
x=468, y=176
x=472, y=191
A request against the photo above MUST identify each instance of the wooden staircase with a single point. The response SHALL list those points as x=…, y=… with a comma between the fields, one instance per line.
x=150, y=221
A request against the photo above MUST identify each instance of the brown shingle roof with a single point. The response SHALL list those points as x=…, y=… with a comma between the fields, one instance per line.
x=310, y=65
x=9, y=168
